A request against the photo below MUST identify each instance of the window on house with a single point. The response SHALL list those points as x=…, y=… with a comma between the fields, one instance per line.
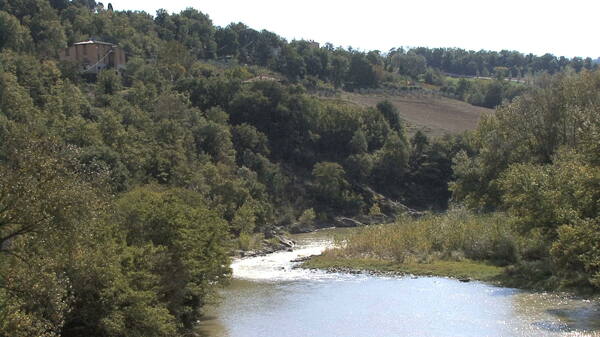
x=84, y=49
x=68, y=52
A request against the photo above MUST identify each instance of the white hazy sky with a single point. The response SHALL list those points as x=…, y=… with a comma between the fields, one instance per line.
x=566, y=27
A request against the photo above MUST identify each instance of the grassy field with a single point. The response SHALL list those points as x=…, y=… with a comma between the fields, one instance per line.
x=457, y=244
x=435, y=115
x=462, y=270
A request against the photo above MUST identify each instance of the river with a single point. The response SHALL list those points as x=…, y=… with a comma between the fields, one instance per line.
x=269, y=297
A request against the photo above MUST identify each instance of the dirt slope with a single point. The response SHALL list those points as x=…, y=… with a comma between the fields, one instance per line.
x=433, y=114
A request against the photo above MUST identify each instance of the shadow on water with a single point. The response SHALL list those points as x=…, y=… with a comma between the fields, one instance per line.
x=209, y=326
x=552, y=326
x=583, y=318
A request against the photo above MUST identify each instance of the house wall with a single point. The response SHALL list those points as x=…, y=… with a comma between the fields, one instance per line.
x=92, y=54
x=120, y=58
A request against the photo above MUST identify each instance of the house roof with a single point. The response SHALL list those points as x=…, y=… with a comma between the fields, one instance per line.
x=94, y=42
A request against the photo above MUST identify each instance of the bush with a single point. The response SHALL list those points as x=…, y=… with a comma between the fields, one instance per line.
x=308, y=216
x=576, y=252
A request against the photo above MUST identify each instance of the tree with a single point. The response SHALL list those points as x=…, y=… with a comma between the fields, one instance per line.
x=419, y=143
x=410, y=64
x=574, y=253
x=244, y=220
x=227, y=41
x=529, y=130
x=333, y=190
x=49, y=208
x=195, y=30
x=547, y=196
x=339, y=69
x=12, y=34
x=307, y=217
x=462, y=88
x=185, y=242
x=174, y=58
x=361, y=73
x=329, y=179
x=40, y=193
x=535, y=159
x=46, y=29
x=493, y=95
x=246, y=136
x=16, y=103
x=391, y=114
x=215, y=140
x=292, y=64
x=390, y=166
x=358, y=143
x=108, y=83
x=59, y=4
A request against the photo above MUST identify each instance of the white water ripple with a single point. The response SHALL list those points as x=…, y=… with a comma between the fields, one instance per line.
x=278, y=266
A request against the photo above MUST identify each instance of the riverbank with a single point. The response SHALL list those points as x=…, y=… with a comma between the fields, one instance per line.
x=465, y=270
x=457, y=244
x=462, y=270
x=306, y=302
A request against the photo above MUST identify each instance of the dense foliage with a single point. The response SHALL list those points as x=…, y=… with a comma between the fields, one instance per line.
x=44, y=26
x=508, y=63
x=539, y=159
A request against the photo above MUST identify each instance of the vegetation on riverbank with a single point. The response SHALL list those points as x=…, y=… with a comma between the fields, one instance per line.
x=537, y=161
x=458, y=244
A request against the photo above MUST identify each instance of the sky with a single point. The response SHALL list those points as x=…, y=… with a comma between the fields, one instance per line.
x=563, y=28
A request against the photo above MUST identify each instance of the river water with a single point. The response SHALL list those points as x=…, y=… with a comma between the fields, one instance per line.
x=269, y=297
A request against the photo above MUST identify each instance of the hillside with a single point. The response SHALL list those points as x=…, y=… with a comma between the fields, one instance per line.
x=433, y=114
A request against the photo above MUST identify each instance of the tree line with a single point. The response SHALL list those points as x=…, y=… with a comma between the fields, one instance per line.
x=58, y=23
x=490, y=63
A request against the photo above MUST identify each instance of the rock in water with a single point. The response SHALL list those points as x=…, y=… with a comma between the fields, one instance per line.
x=285, y=241
x=341, y=221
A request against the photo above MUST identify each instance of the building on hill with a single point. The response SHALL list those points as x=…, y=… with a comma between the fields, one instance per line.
x=95, y=56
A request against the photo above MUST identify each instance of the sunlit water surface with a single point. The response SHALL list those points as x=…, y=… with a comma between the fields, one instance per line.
x=269, y=297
